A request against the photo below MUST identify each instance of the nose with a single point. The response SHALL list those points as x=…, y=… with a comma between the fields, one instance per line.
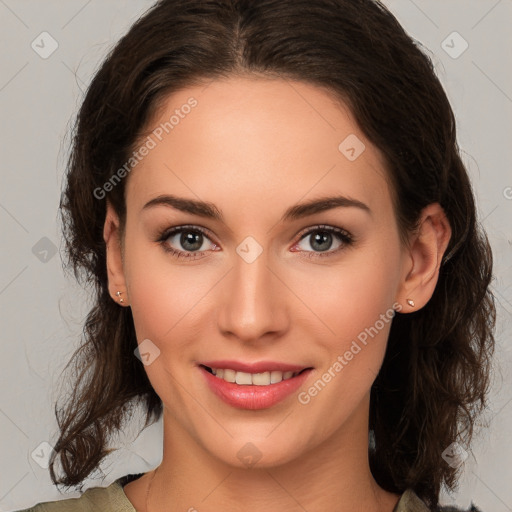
x=252, y=302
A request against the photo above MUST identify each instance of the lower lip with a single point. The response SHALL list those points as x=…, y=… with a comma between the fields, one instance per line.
x=251, y=396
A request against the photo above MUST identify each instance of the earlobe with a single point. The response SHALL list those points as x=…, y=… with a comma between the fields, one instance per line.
x=427, y=247
x=114, y=259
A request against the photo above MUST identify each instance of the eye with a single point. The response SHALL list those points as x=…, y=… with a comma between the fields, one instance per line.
x=321, y=239
x=192, y=240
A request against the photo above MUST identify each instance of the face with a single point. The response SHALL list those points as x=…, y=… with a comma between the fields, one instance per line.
x=250, y=285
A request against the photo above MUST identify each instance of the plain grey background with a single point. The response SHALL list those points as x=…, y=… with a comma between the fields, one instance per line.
x=50, y=49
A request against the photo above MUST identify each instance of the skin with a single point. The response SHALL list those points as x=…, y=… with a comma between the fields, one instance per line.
x=255, y=147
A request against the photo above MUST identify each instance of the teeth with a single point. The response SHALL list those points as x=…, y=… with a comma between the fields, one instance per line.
x=257, y=379
x=243, y=378
x=229, y=375
x=276, y=376
x=261, y=379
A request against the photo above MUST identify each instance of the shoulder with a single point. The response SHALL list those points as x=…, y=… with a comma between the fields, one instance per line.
x=111, y=498
x=473, y=508
x=410, y=502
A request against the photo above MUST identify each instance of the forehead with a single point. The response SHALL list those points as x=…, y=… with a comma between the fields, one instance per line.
x=254, y=141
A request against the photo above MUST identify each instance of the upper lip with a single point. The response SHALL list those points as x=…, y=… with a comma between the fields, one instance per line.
x=257, y=367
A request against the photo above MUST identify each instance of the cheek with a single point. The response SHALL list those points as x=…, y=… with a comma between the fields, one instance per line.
x=350, y=297
x=354, y=302
x=349, y=361
x=167, y=299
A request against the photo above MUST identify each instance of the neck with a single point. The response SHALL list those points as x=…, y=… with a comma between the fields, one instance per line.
x=335, y=476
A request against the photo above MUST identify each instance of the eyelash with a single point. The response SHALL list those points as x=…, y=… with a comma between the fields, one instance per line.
x=343, y=236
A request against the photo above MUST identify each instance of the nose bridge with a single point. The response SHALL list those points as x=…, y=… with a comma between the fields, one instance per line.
x=252, y=306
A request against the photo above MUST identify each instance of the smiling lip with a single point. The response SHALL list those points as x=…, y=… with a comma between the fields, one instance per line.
x=249, y=396
x=262, y=366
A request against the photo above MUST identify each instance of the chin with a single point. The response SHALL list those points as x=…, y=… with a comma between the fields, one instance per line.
x=256, y=452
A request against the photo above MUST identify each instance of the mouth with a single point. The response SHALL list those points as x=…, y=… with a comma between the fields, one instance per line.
x=253, y=386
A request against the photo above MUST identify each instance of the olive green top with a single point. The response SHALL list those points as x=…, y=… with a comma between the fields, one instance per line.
x=113, y=499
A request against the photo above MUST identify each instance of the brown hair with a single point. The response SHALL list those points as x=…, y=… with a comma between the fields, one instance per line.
x=435, y=375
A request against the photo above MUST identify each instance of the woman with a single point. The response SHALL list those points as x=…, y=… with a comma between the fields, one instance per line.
x=270, y=202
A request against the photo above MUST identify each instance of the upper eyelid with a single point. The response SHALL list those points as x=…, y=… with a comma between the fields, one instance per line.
x=327, y=227
x=185, y=227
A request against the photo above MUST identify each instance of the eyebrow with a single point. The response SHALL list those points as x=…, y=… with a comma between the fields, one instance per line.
x=298, y=211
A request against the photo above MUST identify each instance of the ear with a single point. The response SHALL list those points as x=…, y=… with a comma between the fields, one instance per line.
x=424, y=255
x=115, y=272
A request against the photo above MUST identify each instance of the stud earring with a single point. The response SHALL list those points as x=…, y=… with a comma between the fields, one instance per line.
x=119, y=295
x=410, y=302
